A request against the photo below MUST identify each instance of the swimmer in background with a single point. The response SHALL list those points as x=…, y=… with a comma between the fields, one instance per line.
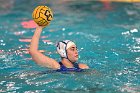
x=67, y=50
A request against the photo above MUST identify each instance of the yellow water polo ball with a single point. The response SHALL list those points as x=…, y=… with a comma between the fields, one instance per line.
x=42, y=15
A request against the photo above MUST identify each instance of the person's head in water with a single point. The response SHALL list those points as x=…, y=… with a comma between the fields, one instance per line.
x=67, y=49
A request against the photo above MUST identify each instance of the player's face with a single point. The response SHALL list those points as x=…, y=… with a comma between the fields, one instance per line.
x=72, y=53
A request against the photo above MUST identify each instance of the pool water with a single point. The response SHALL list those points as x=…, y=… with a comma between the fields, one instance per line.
x=108, y=42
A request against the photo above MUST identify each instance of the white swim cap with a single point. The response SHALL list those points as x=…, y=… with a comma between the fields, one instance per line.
x=62, y=46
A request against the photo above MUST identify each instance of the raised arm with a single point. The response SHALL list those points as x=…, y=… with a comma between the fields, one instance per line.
x=38, y=57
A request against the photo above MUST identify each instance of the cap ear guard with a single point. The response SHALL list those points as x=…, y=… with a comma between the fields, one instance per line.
x=61, y=49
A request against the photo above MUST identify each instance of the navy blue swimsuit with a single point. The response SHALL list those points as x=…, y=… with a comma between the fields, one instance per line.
x=65, y=69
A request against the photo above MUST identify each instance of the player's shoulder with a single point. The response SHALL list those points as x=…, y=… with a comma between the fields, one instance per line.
x=83, y=66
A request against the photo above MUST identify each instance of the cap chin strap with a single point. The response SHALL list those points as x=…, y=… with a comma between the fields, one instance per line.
x=67, y=58
x=67, y=53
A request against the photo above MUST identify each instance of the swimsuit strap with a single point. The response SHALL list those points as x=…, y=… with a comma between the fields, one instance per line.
x=64, y=68
x=75, y=65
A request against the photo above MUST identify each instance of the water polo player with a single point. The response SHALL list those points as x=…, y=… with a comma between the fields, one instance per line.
x=67, y=50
